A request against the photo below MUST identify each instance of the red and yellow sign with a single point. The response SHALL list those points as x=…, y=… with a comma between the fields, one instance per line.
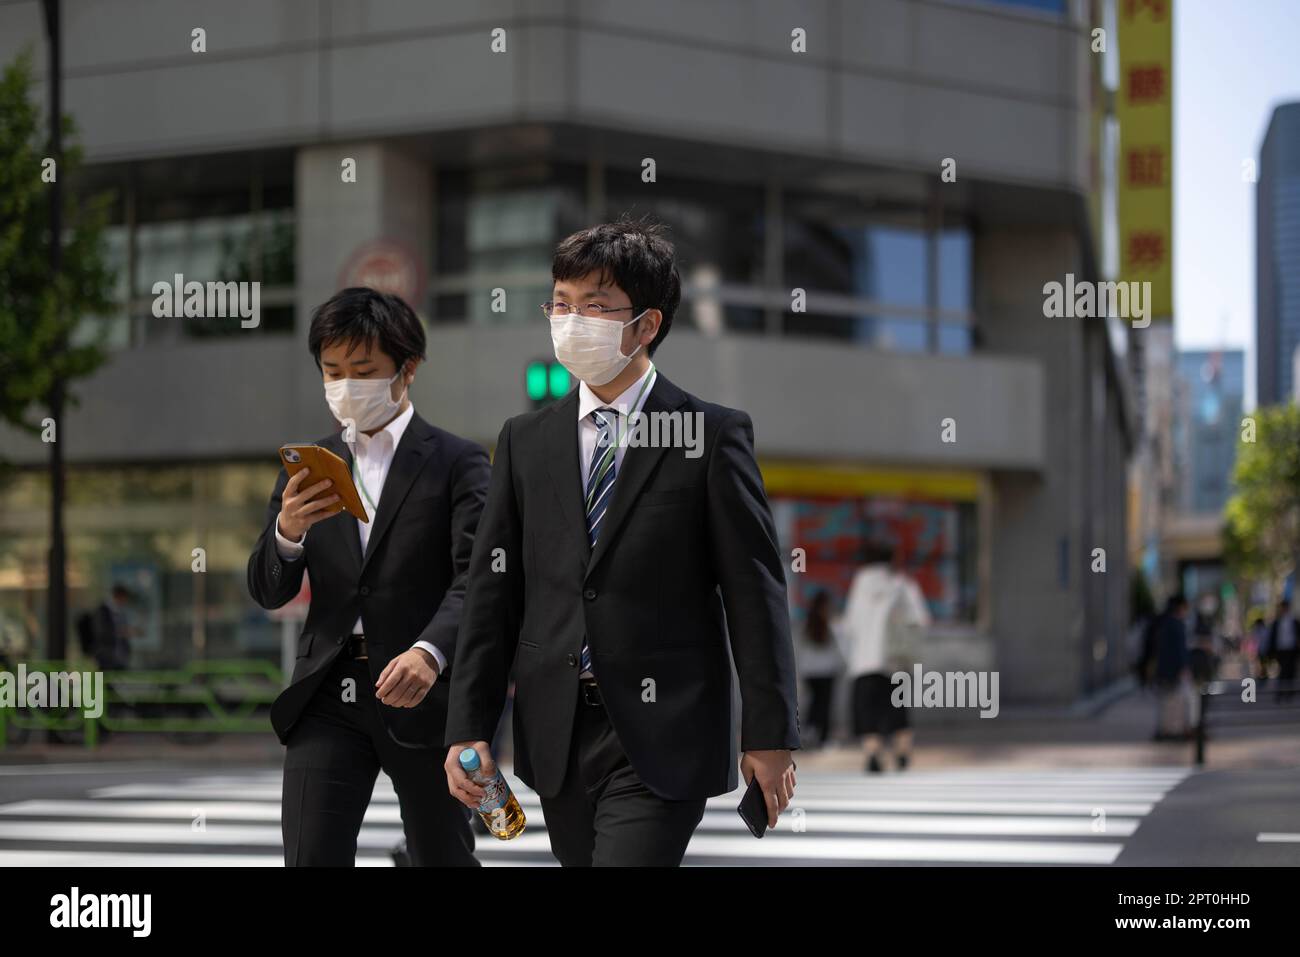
x=1144, y=109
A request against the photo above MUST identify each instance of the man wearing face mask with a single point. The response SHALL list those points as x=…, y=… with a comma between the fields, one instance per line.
x=367, y=691
x=620, y=560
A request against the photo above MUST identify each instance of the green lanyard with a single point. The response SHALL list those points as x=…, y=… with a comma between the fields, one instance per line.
x=356, y=478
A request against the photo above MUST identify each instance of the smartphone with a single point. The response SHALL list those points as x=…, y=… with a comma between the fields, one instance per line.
x=753, y=808
x=324, y=464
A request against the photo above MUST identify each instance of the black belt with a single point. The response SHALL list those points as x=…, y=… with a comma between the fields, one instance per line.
x=589, y=693
x=356, y=647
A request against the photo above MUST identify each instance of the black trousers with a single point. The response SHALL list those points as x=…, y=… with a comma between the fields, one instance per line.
x=334, y=755
x=604, y=816
x=820, y=691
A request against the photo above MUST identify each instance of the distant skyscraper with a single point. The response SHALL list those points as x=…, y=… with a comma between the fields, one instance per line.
x=1208, y=391
x=1277, y=257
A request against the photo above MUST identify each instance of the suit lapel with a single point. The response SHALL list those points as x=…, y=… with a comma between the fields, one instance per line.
x=562, y=456
x=344, y=523
x=412, y=452
x=639, y=463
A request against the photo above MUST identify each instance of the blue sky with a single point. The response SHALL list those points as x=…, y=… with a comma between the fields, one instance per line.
x=1234, y=60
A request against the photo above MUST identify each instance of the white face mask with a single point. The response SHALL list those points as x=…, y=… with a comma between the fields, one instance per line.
x=591, y=348
x=368, y=403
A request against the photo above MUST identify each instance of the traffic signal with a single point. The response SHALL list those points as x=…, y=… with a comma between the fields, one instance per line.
x=545, y=380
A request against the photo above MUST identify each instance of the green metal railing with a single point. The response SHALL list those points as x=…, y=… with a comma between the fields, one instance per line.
x=203, y=699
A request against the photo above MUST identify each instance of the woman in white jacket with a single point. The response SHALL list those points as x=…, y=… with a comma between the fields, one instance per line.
x=883, y=617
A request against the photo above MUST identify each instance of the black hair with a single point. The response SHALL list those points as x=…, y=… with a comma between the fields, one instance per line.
x=1176, y=601
x=121, y=591
x=362, y=315
x=875, y=552
x=818, y=627
x=633, y=254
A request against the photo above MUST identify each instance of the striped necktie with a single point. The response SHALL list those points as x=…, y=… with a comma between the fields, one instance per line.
x=600, y=490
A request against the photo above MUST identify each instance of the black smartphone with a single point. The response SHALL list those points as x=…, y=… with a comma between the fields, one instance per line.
x=753, y=808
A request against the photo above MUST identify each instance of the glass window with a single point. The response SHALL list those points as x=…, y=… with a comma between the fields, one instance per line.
x=1044, y=6
x=209, y=219
x=867, y=268
x=138, y=525
x=956, y=291
x=497, y=229
x=717, y=231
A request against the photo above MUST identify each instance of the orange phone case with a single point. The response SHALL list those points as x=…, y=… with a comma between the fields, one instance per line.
x=325, y=464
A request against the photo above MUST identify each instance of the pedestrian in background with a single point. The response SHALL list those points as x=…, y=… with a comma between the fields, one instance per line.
x=105, y=633
x=1172, y=672
x=1253, y=643
x=819, y=662
x=883, y=617
x=1203, y=663
x=1283, y=637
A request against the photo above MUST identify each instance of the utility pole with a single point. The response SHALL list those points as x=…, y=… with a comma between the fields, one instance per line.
x=56, y=586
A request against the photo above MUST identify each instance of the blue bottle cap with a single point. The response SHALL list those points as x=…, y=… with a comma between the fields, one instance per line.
x=469, y=760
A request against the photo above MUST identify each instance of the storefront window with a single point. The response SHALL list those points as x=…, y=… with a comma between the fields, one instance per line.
x=139, y=526
x=934, y=543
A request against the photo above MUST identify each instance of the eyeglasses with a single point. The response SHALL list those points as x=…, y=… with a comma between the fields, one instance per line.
x=591, y=310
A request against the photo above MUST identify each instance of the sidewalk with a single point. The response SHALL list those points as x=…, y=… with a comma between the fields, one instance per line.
x=1117, y=736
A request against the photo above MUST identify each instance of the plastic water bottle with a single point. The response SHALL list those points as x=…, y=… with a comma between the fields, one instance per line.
x=499, y=808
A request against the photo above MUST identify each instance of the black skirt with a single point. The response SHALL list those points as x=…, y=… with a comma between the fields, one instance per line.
x=873, y=713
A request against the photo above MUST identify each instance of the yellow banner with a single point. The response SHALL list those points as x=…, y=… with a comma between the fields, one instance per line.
x=1144, y=109
x=851, y=481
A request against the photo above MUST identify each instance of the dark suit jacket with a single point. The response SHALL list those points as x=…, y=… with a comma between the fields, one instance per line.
x=409, y=585
x=1271, y=643
x=682, y=540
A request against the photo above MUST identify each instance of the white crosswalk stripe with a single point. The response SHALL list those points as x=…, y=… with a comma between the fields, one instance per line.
x=1002, y=816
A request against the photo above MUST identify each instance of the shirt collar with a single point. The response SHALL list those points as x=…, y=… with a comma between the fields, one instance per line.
x=393, y=430
x=588, y=401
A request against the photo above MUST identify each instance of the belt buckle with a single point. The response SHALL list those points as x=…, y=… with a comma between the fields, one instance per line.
x=590, y=694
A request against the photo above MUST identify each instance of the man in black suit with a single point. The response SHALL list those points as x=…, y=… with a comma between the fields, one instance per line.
x=1284, y=644
x=386, y=595
x=601, y=573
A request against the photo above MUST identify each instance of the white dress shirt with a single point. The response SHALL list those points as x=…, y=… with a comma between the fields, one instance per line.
x=372, y=457
x=632, y=400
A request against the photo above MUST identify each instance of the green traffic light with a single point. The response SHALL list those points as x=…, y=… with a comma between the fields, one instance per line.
x=559, y=381
x=535, y=381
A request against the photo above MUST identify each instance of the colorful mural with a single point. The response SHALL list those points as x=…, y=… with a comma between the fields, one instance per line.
x=934, y=543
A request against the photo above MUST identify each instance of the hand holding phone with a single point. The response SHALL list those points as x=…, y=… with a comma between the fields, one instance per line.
x=753, y=807
x=319, y=486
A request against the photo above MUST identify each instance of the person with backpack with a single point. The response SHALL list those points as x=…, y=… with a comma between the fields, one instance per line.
x=104, y=634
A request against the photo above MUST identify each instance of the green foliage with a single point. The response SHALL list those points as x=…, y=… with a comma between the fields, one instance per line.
x=1142, y=603
x=1262, y=531
x=37, y=316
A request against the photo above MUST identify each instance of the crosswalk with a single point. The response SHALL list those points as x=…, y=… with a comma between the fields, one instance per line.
x=1079, y=816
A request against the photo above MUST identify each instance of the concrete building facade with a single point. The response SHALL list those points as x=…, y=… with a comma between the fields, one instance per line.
x=922, y=395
